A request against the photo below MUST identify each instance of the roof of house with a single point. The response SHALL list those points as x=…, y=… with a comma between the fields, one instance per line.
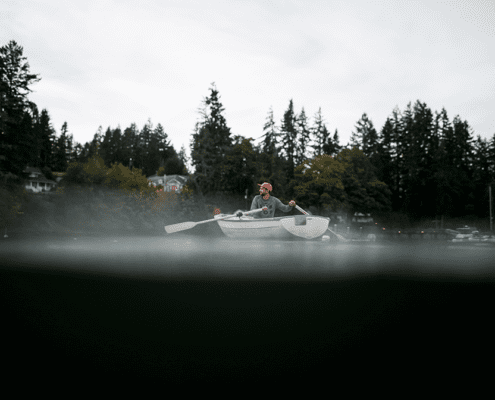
x=41, y=178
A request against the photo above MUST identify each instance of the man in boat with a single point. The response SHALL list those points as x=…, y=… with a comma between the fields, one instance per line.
x=268, y=203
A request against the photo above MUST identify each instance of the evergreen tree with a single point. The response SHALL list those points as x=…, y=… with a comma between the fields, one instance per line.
x=240, y=166
x=419, y=161
x=142, y=148
x=449, y=188
x=271, y=134
x=320, y=184
x=26, y=140
x=174, y=164
x=15, y=81
x=95, y=146
x=363, y=191
x=407, y=159
x=105, y=147
x=116, y=146
x=267, y=152
x=463, y=140
x=318, y=132
x=365, y=137
x=60, y=151
x=32, y=150
x=303, y=142
x=288, y=134
x=78, y=152
x=481, y=176
x=161, y=150
x=397, y=153
x=46, y=138
x=129, y=140
x=427, y=145
x=210, y=144
x=183, y=159
x=384, y=164
x=491, y=155
x=331, y=146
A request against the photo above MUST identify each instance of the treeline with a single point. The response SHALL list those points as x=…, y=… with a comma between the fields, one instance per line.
x=28, y=137
x=419, y=163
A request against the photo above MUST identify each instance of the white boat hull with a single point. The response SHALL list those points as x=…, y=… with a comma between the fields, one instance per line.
x=307, y=227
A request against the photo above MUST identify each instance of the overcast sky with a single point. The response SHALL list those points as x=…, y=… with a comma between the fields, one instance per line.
x=112, y=63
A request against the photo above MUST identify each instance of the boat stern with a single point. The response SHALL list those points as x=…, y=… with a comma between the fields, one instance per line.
x=306, y=226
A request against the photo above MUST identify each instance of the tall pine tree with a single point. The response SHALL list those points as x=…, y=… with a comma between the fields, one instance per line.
x=15, y=137
x=303, y=138
x=319, y=132
x=288, y=134
x=211, y=142
x=60, y=150
x=47, y=140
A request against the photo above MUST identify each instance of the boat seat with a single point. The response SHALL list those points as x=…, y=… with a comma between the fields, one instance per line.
x=300, y=220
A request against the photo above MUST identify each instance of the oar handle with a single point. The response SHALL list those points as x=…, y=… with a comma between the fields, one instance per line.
x=252, y=211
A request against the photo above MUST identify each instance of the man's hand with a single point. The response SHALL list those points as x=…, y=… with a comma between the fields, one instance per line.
x=265, y=208
x=292, y=203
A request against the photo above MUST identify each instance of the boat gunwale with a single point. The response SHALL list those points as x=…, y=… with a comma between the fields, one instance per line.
x=252, y=219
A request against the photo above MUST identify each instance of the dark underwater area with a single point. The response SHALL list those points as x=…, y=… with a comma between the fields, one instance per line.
x=220, y=311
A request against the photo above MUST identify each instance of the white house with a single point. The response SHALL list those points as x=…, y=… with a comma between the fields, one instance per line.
x=37, y=182
x=171, y=183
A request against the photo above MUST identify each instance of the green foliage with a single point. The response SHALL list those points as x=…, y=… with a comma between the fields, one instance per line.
x=118, y=177
x=271, y=135
x=288, y=135
x=174, y=165
x=365, y=137
x=161, y=171
x=210, y=145
x=17, y=136
x=239, y=167
x=12, y=201
x=75, y=174
x=319, y=183
x=364, y=192
x=95, y=170
x=346, y=182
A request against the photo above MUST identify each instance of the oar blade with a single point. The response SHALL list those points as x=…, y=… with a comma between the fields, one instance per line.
x=180, y=227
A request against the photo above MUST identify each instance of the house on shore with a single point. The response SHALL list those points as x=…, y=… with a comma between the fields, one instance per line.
x=36, y=181
x=171, y=183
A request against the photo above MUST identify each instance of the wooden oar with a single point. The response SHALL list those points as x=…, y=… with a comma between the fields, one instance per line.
x=188, y=225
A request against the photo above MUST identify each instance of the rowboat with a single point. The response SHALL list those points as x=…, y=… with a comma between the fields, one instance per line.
x=246, y=227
